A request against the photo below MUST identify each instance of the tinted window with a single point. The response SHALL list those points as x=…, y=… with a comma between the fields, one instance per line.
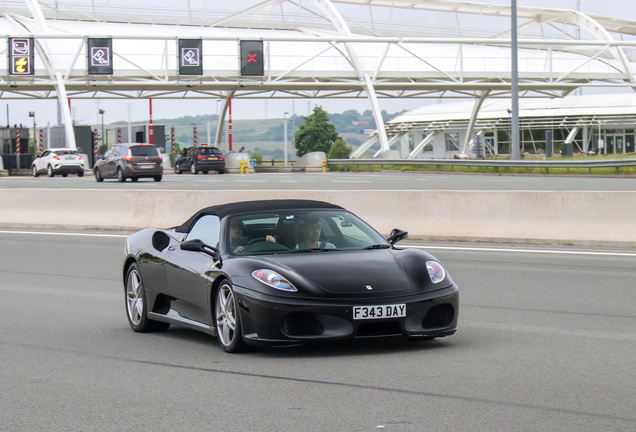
x=206, y=229
x=144, y=151
x=63, y=152
x=209, y=151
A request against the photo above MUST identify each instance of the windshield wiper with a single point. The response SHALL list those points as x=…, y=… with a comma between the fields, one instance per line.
x=311, y=250
x=378, y=246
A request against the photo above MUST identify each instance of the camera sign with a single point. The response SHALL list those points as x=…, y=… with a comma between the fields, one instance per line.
x=190, y=57
x=100, y=56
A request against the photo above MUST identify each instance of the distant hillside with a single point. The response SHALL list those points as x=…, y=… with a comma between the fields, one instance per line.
x=266, y=136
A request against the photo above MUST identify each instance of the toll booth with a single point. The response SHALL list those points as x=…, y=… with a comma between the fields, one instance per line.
x=140, y=135
x=84, y=140
x=8, y=148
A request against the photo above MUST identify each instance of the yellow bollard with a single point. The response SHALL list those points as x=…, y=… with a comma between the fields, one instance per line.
x=241, y=166
x=324, y=165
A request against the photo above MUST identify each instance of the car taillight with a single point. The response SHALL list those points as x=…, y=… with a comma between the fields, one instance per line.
x=222, y=157
x=128, y=155
x=81, y=157
x=201, y=157
x=56, y=157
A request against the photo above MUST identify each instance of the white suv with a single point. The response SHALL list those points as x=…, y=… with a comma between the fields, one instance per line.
x=58, y=161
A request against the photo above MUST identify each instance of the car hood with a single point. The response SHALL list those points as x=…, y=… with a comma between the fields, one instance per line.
x=373, y=272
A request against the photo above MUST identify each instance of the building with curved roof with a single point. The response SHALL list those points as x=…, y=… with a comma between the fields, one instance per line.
x=312, y=49
x=440, y=131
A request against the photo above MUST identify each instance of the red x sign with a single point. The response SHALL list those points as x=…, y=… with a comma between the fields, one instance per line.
x=251, y=58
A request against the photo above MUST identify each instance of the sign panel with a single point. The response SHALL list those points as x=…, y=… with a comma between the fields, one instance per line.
x=21, y=56
x=252, y=61
x=100, y=56
x=190, y=57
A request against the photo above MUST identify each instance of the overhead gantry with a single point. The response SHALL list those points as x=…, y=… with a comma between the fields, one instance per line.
x=314, y=51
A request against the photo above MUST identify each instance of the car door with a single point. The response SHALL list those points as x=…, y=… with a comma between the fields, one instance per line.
x=186, y=272
x=41, y=161
x=107, y=167
x=192, y=156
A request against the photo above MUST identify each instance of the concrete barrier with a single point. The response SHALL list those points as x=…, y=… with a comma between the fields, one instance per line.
x=577, y=218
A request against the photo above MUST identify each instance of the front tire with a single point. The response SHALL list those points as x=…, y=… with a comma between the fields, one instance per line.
x=49, y=171
x=98, y=176
x=177, y=169
x=193, y=169
x=136, y=307
x=229, y=331
x=120, y=176
x=35, y=171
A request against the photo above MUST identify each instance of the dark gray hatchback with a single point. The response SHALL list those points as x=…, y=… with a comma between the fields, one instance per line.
x=131, y=160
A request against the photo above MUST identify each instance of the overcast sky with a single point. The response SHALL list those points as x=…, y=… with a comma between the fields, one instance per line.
x=86, y=111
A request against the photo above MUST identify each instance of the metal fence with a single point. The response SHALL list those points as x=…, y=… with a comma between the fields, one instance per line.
x=541, y=164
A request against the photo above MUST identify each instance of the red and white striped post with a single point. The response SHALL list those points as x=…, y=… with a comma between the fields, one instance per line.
x=195, y=137
x=41, y=141
x=151, y=138
x=96, y=149
x=172, y=139
x=118, y=136
x=17, y=146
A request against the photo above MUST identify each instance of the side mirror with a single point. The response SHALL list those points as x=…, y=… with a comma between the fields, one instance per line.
x=197, y=245
x=397, y=235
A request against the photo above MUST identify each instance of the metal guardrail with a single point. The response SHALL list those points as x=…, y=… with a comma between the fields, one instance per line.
x=545, y=164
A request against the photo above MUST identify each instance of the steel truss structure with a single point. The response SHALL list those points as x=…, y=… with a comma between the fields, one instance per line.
x=314, y=49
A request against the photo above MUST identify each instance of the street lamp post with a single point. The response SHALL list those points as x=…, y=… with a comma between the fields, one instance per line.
x=35, y=148
x=285, y=138
x=101, y=112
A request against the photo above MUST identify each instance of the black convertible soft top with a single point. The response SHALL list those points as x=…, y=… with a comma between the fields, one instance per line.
x=243, y=207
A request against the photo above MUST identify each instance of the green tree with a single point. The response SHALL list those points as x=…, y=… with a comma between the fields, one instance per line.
x=316, y=134
x=340, y=150
x=258, y=157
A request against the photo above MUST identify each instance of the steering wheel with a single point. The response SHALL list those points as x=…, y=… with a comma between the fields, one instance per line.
x=256, y=240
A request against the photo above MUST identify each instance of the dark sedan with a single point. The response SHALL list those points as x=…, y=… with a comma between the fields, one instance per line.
x=285, y=272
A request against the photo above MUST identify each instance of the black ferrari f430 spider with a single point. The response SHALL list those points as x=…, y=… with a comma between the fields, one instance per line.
x=285, y=272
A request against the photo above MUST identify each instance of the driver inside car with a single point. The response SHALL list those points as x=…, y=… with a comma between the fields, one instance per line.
x=239, y=242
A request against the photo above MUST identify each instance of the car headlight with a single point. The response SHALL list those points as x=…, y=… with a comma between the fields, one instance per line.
x=273, y=279
x=435, y=271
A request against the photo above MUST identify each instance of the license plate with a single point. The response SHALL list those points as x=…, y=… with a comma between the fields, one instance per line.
x=146, y=165
x=69, y=157
x=379, y=312
x=212, y=158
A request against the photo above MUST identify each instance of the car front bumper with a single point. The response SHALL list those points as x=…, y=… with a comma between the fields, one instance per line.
x=269, y=320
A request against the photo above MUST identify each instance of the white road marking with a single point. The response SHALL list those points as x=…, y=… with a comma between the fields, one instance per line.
x=531, y=251
x=70, y=234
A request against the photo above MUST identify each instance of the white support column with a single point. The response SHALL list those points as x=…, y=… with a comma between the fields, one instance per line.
x=365, y=146
x=418, y=148
x=377, y=113
x=69, y=132
x=333, y=15
x=473, y=120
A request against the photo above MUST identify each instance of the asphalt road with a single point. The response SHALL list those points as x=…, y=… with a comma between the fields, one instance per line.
x=546, y=342
x=335, y=181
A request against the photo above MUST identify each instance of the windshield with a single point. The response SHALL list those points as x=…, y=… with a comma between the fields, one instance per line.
x=300, y=231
